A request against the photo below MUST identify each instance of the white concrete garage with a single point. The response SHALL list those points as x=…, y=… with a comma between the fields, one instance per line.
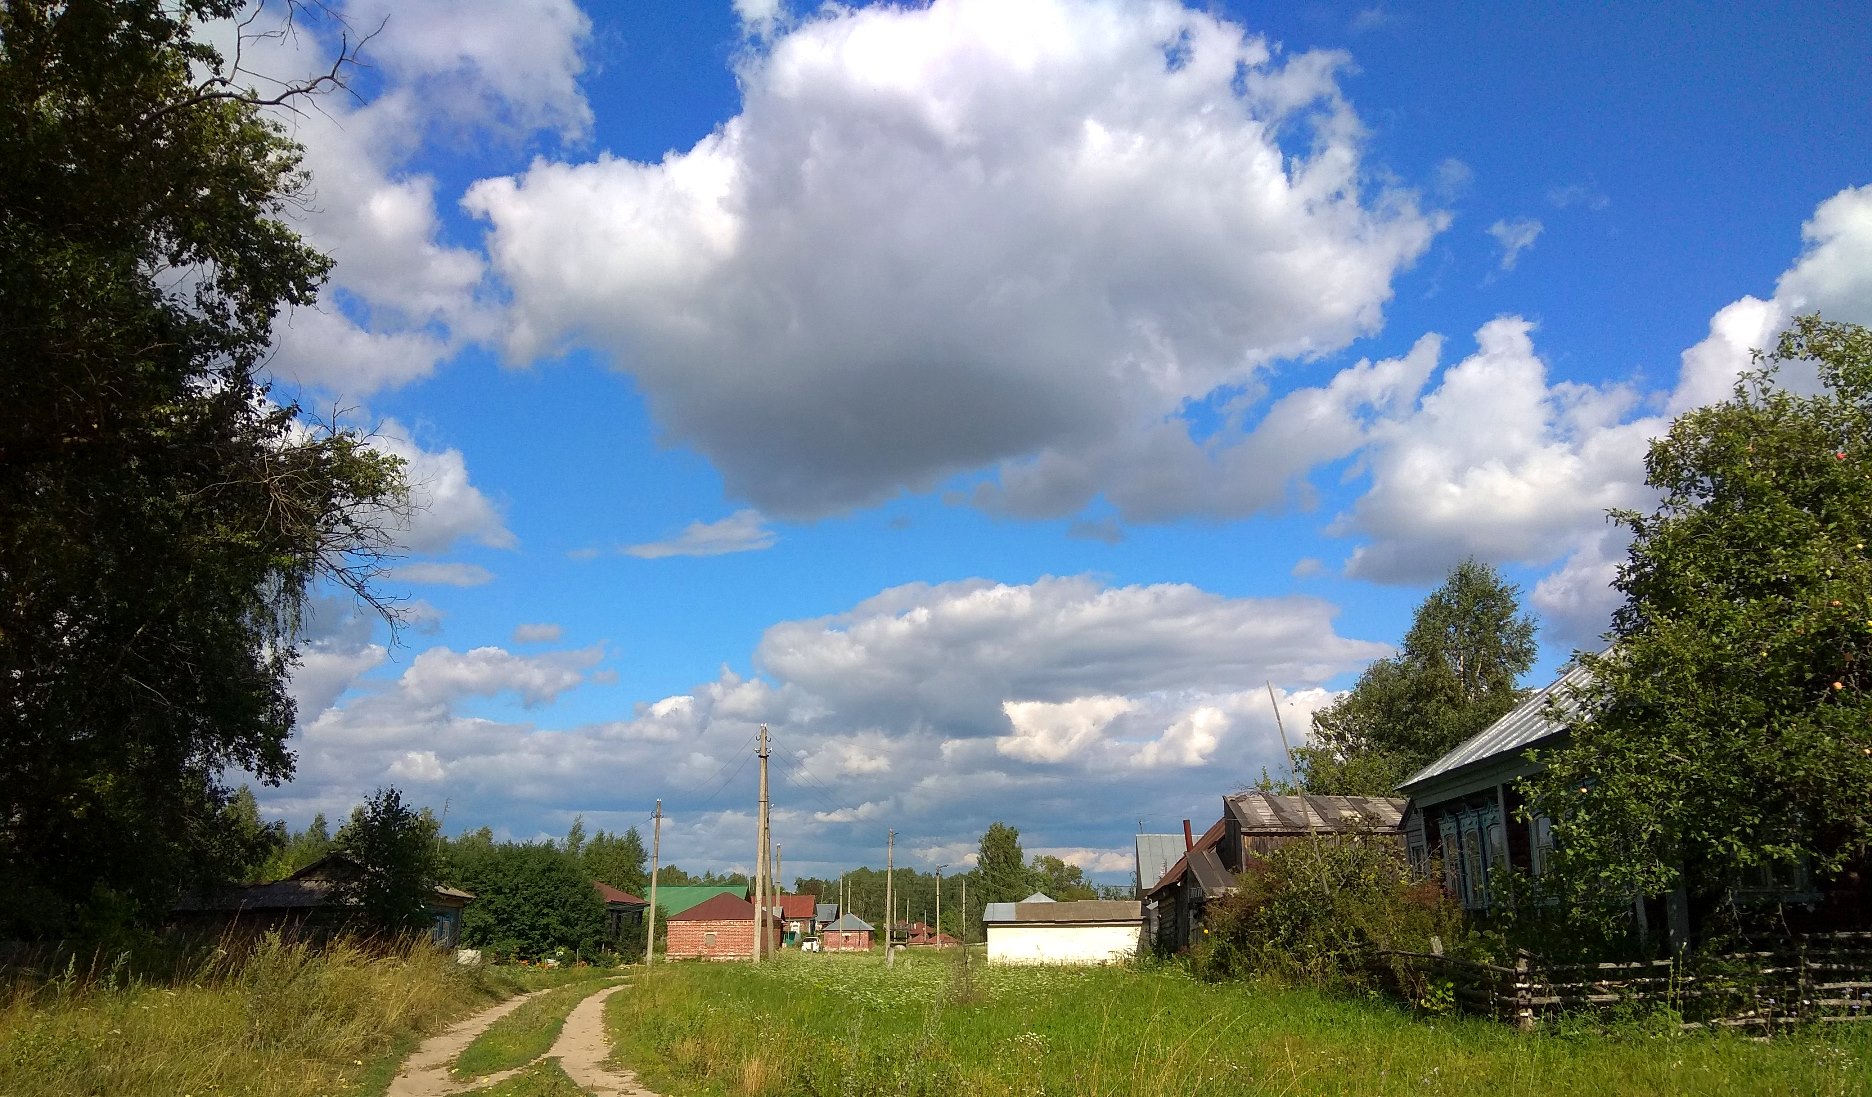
x=1041, y=931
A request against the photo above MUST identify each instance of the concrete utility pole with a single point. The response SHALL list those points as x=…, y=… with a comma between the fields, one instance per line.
x=656, y=850
x=964, y=921
x=890, y=896
x=760, y=851
x=773, y=889
x=939, y=869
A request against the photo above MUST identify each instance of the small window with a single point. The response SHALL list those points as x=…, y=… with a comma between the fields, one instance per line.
x=708, y=940
x=1543, y=843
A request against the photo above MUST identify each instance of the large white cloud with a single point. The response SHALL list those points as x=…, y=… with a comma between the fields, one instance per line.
x=1498, y=460
x=935, y=239
x=1063, y=706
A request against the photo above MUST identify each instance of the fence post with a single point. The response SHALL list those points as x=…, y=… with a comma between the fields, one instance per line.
x=1524, y=993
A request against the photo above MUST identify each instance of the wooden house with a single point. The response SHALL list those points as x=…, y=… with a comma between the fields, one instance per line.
x=309, y=902
x=1467, y=816
x=1252, y=824
x=721, y=928
x=621, y=909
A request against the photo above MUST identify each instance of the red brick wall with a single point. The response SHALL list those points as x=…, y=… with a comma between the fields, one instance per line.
x=834, y=941
x=734, y=940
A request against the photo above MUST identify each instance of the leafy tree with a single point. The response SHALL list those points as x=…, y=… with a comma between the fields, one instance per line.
x=393, y=849
x=160, y=520
x=247, y=842
x=1729, y=728
x=618, y=860
x=1000, y=872
x=575, y=836
x=531, y=899
x=1467, y=646
x=298, y=850
x=1060, y=880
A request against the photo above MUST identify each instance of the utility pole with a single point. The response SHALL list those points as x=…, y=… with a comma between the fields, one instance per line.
x=890, y=899
x=656, y=850
x=773, y=890
x=965, y=921
x=939, y=869
x=760, y=850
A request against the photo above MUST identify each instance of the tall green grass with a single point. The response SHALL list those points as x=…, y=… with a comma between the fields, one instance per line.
x=271, y=1018
x=828, y=1025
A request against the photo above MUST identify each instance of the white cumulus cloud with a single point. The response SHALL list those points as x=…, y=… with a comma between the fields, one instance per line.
x=1091, y=232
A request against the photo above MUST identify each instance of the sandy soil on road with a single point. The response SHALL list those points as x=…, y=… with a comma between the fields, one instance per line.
x=581, y=1049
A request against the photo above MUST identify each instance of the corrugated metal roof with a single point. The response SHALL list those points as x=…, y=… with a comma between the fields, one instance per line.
x=851, y=923
x=1524, y=725
x=1038, y=897
x=1267, y=813
x=1155, y=854
x=1174, y=873
x=998, y=912
x=825, y=912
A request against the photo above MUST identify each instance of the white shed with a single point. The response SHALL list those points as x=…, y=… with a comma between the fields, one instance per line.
x=1089, y=931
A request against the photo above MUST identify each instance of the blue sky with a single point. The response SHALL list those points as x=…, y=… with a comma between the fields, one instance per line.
x=993, y=397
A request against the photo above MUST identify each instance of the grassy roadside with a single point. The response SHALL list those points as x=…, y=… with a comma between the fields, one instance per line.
x=836, y=1025
x=525, y=1034
x=283, y=1020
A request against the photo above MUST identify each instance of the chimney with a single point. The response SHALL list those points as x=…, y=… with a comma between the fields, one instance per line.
x=1189, y=842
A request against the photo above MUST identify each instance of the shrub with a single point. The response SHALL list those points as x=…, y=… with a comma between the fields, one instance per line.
x=1320, y=911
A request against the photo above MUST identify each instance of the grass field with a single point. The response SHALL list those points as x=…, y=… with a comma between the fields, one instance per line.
x=816, y=1024
x=282, y=1021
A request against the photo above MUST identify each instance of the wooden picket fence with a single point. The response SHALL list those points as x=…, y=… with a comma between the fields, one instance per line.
x=1825, y=978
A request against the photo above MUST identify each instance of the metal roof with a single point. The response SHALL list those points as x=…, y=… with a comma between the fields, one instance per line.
x=1267, y=813
x=1174, y=874
x=851, y=923
x=1155, y=854
x=1078, y=912
x=676, y=898
x=1524, y=725
x=825, y=912
x=722, y=908
x=1038, y=897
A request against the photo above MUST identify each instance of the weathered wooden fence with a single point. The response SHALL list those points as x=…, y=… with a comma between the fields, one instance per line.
x=1818, y=977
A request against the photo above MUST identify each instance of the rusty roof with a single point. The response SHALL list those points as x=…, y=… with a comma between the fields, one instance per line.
x=1267, y=813
x=616, y=895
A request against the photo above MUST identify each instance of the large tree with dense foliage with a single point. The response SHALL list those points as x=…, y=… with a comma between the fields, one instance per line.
x=1729, y=727
x=618, y=860
x=1001, y=874
x=1468, y=645
x=160, y=519
x=531, y=900
x=392, y=851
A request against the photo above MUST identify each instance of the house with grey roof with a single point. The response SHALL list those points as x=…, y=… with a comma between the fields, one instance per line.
x=1464, y=806
x=849, y=934
x=1252, y=824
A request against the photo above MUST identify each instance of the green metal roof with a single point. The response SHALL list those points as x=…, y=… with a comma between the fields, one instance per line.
x=675, y=900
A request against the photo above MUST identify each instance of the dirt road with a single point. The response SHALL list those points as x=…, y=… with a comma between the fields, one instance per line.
x=581, y=1049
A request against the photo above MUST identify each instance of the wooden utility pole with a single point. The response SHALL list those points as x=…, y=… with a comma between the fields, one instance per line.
x=656, y=850
x=965, y=921
x=890, y=895
x=760, y=851
x=939, y=869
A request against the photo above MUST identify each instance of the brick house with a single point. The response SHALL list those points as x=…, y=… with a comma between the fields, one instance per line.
x=721, y=928
x=796, y=916
x=849, y=934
